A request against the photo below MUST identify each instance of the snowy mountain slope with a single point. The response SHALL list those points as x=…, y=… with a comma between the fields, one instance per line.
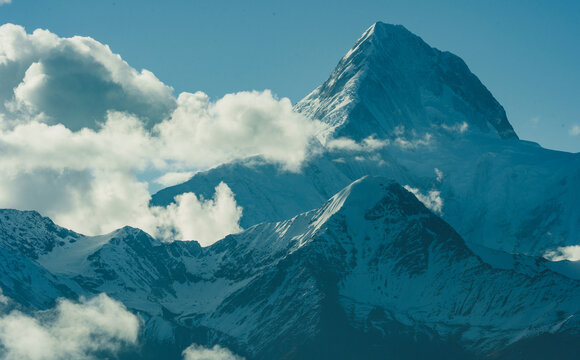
x=24, y=236
x=29, y=234
x=392, y=78
x=371, y=272
x=510, y=196
x=527, y=265
x=435, y=128
x=267, y=192
x=505, y=195
x=382, y=252
x=30, y=285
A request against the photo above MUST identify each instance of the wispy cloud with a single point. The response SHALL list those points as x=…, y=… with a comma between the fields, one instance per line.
x=457, y=128
x=574, y=130
x=368, y=144
x=413, y=143
x=173, y=178
x=2, y=2
x=438, y=175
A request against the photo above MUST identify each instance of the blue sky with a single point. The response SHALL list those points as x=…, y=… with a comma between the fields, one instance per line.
x=526, y=52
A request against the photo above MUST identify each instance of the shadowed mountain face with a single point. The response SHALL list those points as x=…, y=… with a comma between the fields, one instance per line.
x=391, y=78
x=371, y=273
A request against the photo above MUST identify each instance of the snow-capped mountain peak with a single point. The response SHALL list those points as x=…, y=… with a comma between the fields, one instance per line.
x=392, y=79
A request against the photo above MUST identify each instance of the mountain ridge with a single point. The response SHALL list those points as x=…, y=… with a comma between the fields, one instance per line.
x=371, y=260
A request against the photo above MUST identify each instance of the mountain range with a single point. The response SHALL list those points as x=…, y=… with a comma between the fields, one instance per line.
x=418, y=228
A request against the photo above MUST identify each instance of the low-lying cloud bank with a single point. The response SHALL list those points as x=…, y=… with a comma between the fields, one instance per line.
x=71, y=330
x=82, y=132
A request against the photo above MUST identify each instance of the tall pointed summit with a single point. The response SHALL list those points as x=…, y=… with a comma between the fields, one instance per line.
x=392, y=78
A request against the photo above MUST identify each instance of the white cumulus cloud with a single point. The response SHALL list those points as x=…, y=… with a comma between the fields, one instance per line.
x=193, y=218
x=574, y=130
x=202, y=133
x=571, y=253
x=82, y=134
x=196, y=352
x=69, y=331
x=89, y=180
x=73, y=81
